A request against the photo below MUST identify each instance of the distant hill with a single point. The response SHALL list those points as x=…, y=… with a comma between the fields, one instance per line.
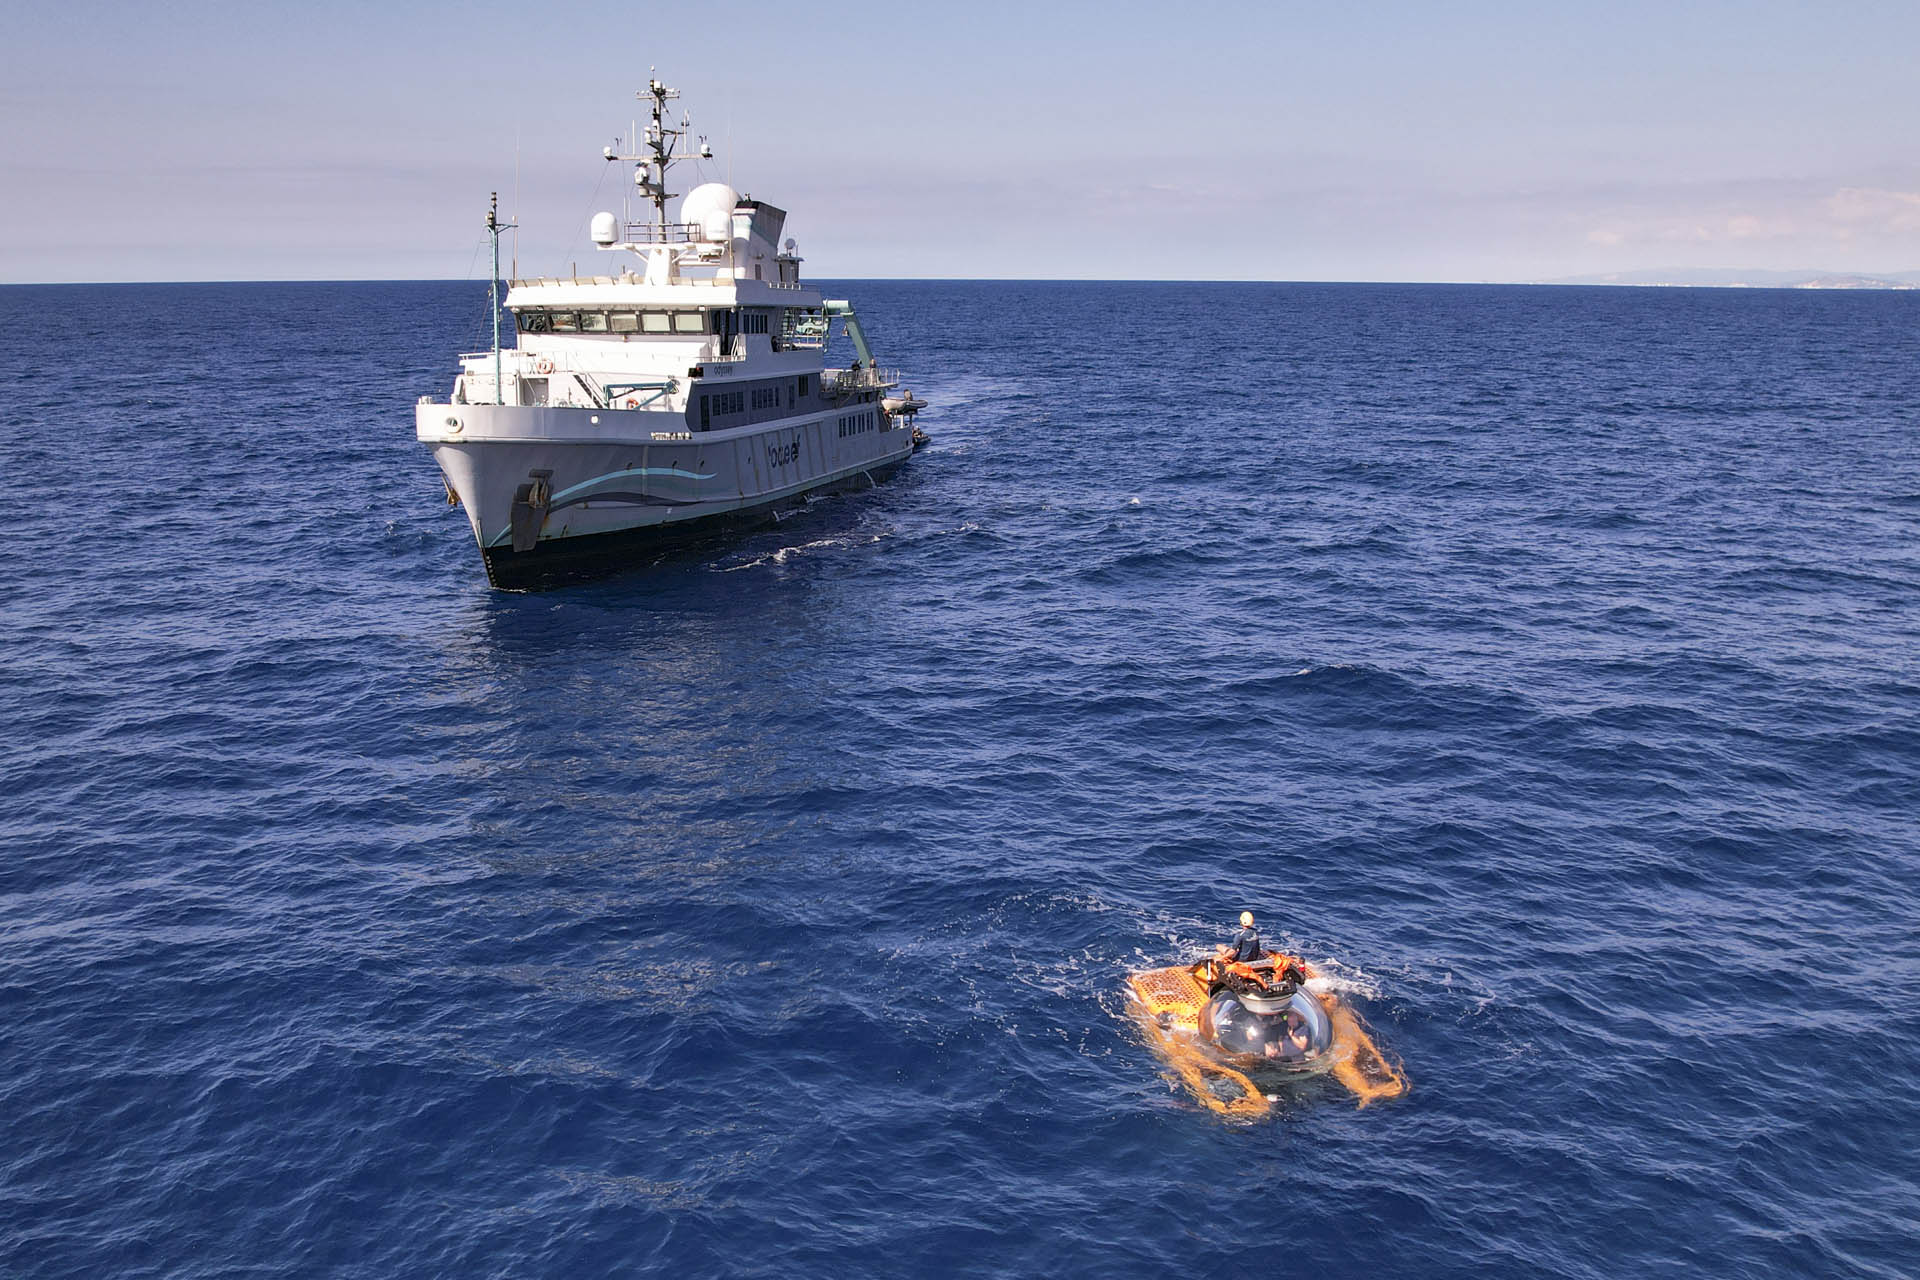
x=1858, y=282
x=1736, y=278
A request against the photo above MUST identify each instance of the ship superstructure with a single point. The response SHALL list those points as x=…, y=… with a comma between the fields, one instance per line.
x=681, y=395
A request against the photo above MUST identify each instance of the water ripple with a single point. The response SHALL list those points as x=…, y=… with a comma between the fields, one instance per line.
x=1537, y=662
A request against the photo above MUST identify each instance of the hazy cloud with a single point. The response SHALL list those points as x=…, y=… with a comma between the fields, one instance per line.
x=1872, y=206
x=1759, y=224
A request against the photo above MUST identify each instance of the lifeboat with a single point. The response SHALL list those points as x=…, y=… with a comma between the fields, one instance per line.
x=1231, y=1032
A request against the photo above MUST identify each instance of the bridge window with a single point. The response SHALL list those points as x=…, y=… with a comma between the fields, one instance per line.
x=546, y=320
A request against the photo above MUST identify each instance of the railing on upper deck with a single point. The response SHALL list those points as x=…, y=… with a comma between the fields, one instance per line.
x=847, y=382
x=476, y=383
x=671, y=233
x=802, y=330
x=518, y=360
x=587, y=280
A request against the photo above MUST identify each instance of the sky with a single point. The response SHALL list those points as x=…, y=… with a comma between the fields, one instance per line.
x=1464, y=141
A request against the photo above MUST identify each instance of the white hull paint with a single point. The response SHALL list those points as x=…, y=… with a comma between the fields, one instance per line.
x=608, y=481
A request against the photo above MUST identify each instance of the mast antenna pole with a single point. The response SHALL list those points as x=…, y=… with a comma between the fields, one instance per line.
x=663, y=145
x=662, y=142
x=493, y=294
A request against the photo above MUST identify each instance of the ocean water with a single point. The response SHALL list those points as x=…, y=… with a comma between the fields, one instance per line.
x=1540, y=661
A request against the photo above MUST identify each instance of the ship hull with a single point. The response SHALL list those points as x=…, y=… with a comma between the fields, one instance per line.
x=557, y=496
x=555, y=562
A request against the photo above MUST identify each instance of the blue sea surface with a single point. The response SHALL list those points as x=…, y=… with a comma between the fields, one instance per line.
x=1543, y=663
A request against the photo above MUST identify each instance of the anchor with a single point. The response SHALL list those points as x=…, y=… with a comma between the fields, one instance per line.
x=530, y=509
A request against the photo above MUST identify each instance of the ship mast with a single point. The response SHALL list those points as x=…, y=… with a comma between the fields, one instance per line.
x=662, y=141
x=663, y=149
x=493, y=293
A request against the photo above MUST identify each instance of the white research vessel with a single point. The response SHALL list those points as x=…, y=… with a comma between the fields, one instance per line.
x=679, y=398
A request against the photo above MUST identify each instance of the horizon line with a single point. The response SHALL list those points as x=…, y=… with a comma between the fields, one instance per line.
x=1567, y=283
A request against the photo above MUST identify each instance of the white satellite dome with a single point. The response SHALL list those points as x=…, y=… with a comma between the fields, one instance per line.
x=709, y=206
x=605, y=229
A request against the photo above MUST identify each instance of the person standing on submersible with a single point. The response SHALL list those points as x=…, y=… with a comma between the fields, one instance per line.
x=1245, y=947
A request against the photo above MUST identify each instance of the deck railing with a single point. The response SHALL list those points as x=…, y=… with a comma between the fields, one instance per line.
x=671, y=233
x=847, y=381
x=523, y=363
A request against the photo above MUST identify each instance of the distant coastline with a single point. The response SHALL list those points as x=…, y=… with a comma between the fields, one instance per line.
x=1734, y=278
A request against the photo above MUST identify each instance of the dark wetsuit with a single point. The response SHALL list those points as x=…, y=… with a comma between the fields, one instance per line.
x=1246, y=946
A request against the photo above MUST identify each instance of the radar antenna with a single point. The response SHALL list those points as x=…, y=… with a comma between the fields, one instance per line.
x=663, y=144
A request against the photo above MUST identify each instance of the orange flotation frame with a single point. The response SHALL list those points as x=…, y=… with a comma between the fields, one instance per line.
x=1169, y=1002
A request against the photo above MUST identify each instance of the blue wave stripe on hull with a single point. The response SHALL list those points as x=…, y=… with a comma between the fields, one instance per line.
x=561, y=497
